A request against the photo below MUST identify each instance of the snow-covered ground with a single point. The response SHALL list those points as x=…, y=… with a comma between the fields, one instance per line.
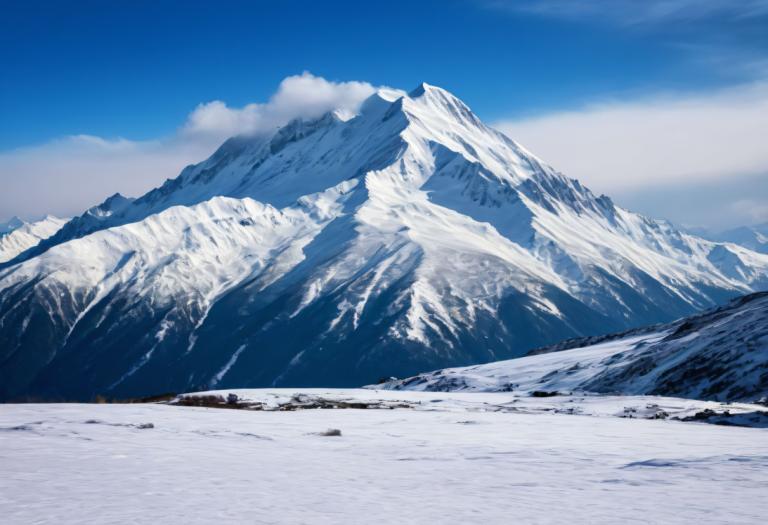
x=450, y=458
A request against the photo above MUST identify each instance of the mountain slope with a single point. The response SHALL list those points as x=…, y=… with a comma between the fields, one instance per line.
x=720, y=355
x=754, y=238
x=12, y=224
x=17, y=236
x=337, y=251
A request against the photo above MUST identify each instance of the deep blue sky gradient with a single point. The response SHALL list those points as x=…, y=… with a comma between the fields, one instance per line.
x=136, y=69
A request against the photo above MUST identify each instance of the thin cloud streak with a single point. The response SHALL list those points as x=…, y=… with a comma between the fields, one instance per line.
x=723, y=36
x=631, y=12
x=656, y=142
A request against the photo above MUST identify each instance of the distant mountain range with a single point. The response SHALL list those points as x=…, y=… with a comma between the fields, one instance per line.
x=17, y=236
x=753, y=237
x=338, y=250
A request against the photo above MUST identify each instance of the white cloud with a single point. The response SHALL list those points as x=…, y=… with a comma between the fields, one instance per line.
x=66, y=176
x=302, y=95
x=756, y=211
x=620, y=146
x=633, y=12
x=712, y=204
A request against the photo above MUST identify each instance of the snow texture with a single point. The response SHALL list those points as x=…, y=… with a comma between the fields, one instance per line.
x=454, y=458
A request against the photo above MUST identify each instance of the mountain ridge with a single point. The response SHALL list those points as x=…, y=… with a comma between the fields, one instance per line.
x=17, y=236
x=339, y=250
x=753, y=237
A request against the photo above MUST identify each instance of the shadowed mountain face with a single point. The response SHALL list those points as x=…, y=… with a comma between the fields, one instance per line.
x=335, y=252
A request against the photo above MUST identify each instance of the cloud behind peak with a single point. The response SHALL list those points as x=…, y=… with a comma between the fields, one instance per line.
x=67, y=175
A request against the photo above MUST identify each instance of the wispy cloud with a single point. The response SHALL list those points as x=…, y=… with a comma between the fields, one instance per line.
x=726, y=37
x=715, y=204
x=755, y=210
x=67, y=175
x=303, y=95
x=669, y=141
x=660, y=140
x=634, y=12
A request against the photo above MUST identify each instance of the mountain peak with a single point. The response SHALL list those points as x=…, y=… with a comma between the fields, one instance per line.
x=11, y=224
x=112, y=204
x=18, y=235
x=429, y=89
x=420, y=90
x=338, y=251
x=436, y=99
x=380, y=100
x=433, y=92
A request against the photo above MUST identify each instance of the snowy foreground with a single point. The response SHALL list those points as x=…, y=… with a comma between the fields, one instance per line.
x=439, y=457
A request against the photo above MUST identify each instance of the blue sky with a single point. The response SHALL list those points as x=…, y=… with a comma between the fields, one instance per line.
x=135, y=71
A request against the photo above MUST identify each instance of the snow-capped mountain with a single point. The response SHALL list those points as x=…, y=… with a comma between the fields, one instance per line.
x=719, y=355
x=754, y=238
x=12, y=224
x=17, y=235
x=339, y=250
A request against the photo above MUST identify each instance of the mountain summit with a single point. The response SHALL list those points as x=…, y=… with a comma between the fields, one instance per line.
x=18, y=236
x=339, y=250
